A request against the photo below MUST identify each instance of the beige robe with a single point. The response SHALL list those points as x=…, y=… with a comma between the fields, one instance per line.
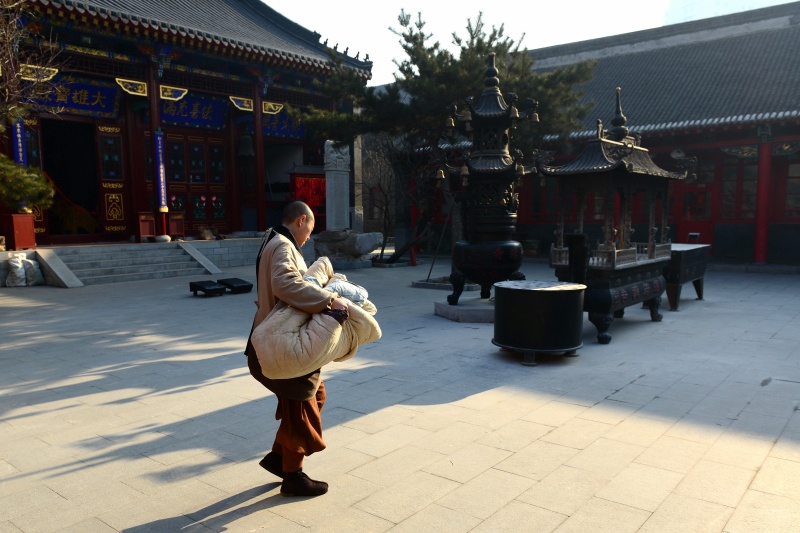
x=280, y=279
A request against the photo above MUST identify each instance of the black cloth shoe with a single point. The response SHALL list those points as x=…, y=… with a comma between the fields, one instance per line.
x=272, y=463
x=299, y=484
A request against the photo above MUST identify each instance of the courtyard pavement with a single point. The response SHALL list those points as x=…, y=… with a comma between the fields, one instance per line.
x=128, y=407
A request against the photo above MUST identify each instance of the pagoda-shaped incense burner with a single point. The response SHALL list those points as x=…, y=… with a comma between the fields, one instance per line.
x=489, y=174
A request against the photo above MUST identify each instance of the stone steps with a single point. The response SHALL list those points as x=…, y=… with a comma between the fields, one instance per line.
x=128, y=262
x=139, y=276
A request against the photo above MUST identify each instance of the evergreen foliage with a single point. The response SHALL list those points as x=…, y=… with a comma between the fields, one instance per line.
x=431, y=79
x=413, y=111
x=27, y=60
x=23, y=187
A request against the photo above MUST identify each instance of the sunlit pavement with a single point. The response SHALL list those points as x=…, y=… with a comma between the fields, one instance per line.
x=128, y=407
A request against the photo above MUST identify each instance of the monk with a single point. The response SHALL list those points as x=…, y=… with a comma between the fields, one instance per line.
x=279, y=271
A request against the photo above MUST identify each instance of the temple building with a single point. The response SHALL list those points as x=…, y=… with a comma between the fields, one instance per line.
x=172, y=118
x=718, y=97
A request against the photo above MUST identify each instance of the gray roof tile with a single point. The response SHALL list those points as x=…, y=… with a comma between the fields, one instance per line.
x=248, y=24
x=737, y=77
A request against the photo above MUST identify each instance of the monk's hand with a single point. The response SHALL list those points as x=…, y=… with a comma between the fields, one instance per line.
x=338, y=310
x=339, y=304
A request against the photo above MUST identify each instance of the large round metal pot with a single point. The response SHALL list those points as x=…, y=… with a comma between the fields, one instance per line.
x=538, y=316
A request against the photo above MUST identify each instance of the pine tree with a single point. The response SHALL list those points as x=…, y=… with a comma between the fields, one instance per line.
x=428, y=82
x=27, y=61
x=23, y=187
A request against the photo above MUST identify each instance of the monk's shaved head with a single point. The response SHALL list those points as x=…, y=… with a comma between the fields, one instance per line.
x=295, y=210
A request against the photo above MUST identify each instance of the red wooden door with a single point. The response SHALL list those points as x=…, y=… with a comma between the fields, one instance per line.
x=693, y=205
x=196, y=182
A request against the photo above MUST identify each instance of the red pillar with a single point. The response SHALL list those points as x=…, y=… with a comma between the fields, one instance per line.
x=763, y=197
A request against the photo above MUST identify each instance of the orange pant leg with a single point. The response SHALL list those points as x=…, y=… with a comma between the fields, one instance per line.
x=300, y=431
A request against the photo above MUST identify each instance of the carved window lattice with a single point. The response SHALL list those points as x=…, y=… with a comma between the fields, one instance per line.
x=489, y=140
x=217, y=207
x=106, y=67
x=216, y=163
x=197, y=163
x=176, y=168
x=739, y=184
x=149, y=161
x=201, y=83
x=493, y=197
x=110, y=148
x=198, y=206
x=177, y=202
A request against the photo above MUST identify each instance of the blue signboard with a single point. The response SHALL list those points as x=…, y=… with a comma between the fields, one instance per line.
x=281, y=125
x=84, y=97
x=20, y=153
x=194, y=111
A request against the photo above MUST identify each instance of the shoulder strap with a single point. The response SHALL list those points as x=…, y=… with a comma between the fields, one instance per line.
x=268, y=235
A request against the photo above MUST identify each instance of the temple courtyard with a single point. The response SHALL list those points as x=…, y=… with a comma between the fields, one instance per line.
x=129, y=407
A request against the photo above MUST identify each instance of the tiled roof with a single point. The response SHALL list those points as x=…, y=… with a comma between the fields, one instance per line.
x=249, y=25
x=727, y=70
x=601, y=156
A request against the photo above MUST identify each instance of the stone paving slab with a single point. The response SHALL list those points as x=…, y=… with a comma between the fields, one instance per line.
x=129, y=407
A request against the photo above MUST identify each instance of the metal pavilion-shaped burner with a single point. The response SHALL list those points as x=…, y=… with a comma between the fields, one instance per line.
x=617, y=270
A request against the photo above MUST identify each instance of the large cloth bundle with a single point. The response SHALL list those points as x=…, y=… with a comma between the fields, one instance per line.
x=23, y=272
x=290, y=343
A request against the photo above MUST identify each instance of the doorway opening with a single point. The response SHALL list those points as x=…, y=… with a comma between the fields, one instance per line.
x=69, y=157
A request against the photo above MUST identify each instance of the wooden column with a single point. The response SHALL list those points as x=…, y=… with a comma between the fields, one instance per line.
x=610, y=213
x=652, y=230
x=763, y=195
x=665, y=207
x=562, y=207
x=581, y=210
x=158, y=147
x=625, y=228
x=258, y=147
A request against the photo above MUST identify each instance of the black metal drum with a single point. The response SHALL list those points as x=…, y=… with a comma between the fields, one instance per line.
x=538, y=316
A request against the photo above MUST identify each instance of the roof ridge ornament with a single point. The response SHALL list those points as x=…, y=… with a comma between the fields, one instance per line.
x=619, y=130
x=491, y=73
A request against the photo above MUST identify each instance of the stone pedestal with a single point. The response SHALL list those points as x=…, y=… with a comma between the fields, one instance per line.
x=347, y=249
x=471, y=310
